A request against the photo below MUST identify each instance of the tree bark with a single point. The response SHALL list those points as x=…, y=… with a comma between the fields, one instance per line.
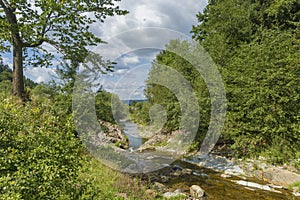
x=18, y=78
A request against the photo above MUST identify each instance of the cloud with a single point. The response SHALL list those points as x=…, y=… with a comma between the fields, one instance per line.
x=130, y=60
x=120, y=71
x=6, y=60
x=176, y=15
x=136, y=38
x=173, y=14
x=129, y=85
x=40, y=74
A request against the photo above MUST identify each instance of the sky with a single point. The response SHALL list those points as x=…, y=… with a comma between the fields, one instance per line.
x=134, y=40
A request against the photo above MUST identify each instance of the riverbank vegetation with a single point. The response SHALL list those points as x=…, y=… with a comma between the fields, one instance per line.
x=42, y=157
x=255, y=45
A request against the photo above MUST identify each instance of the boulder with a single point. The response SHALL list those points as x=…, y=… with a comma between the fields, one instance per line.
x=110, y=133
x=196, y=191
x=280, y=177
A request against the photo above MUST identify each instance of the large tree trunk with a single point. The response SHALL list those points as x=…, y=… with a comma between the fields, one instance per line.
x=18, y=78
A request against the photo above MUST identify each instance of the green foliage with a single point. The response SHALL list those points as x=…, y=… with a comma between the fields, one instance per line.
x=140, y=112
x=295, y=185
x=63, y=24
x=170, y=100
x=5, y=73
x=42, y=90
x=256, y=46
x=104, y=109
x=40, y=157
x=7, y=77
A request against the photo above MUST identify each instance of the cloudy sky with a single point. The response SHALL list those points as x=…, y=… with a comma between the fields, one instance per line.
x=135, y=39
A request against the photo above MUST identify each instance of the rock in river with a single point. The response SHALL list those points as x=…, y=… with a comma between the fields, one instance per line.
x=176, y=193
x=196, y=191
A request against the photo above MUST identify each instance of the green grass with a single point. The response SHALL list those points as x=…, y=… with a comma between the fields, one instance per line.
x=110, y=184
x=297, y=184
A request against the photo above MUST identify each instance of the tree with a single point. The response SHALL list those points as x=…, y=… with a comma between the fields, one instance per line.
x=162, y=95
x=256, y=46
x=63, y=24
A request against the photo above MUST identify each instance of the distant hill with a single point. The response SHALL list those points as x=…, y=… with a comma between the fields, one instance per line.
x=129, y=102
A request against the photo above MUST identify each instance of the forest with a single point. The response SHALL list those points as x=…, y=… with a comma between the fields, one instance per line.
x=255, y=45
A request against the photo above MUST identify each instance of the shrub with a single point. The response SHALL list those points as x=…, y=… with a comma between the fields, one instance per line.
x=39, y=156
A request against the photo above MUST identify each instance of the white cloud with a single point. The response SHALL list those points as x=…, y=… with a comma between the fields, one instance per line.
x=177, y=15
x=7, y=61
x=133, y=43
x=173, y=14
x=129, y=85
x=40, y=74
x=120, y=71
x=130, y=60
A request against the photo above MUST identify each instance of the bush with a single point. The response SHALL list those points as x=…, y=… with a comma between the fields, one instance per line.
x=39, y=156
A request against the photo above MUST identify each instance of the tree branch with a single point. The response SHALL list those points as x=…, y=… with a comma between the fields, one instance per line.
x=12, y=19
x=2, y=4
x=36, y=44
x=42, y=34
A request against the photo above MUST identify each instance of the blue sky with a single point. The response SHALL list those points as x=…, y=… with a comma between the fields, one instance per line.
x=134, y=64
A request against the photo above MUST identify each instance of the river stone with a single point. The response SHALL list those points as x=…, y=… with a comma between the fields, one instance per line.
x=176, y=193
x=187, y=171
x=253, y=185
x=176, y=168
x=196, y=191
x=225, y=176
x=296, y=194
x=177, y=173
x=159, y=186
x=164, y=179
x=281, y=177
x=112, y=134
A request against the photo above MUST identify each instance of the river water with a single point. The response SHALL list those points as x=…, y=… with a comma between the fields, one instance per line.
x=131, y=130
x=215, y=186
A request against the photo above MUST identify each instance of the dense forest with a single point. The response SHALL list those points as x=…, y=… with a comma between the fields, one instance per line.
x=255, y=45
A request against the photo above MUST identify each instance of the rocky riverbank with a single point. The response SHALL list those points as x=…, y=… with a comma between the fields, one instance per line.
x=227, y=182
x=285, y=176
x=255, y=178
x=110, y=134
x=275, y=177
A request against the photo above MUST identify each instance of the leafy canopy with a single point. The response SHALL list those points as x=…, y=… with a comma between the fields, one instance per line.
x=62, y=24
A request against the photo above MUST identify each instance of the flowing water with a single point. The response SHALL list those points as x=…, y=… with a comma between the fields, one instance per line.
x=216, y=187
x=131, y=130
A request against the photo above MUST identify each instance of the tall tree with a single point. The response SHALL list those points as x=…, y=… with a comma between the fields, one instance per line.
x=256, y=46
x=64, y=24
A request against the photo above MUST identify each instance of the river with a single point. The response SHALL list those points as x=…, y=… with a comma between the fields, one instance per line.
x=215, y=186
x=131, y=130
